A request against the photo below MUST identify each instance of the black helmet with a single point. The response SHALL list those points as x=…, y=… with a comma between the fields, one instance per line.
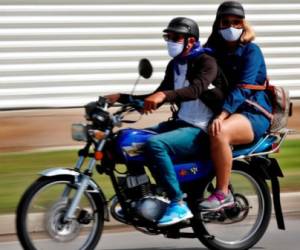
x=231, y=8
x=184, y=26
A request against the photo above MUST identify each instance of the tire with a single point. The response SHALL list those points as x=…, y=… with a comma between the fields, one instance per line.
x=38, y=221
x=225, y=235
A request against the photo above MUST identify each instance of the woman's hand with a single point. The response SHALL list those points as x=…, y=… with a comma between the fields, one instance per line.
x=248, y=34
x=111, y=99
x=216, y=126
x=151, y=102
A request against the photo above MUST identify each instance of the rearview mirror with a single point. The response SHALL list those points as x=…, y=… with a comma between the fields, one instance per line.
x=145, y=68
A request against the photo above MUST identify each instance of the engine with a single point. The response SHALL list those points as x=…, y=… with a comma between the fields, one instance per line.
x=151, y=208
x=144, y=205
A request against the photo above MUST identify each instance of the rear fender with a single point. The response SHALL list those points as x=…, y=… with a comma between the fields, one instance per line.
x=93, y=187
x=268, y=167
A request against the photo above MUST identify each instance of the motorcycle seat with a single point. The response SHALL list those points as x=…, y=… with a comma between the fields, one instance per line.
x=264, y=144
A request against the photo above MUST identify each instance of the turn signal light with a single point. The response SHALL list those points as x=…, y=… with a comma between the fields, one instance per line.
x=97, y=134
x=98, y=155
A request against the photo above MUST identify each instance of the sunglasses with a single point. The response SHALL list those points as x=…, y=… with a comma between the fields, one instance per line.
x=173, y=37
x=231, y=22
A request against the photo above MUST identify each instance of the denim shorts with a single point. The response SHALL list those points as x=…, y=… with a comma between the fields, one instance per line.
x=259, y=122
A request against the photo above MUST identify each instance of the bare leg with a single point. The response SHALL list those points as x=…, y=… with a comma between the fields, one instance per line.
x=236, y=129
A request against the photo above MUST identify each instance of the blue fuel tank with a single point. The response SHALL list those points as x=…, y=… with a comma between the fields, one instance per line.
x=130, y=144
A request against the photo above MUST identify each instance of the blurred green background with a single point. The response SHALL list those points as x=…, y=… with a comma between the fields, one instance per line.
x=19, y=170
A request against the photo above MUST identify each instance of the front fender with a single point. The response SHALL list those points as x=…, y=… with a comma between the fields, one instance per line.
x=70, y=172
x=92, y=187
x=59, y=171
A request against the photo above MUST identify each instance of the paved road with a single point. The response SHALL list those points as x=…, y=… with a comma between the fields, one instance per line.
x=273, y=240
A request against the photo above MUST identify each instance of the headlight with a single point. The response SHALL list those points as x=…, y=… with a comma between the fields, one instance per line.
x=79, y=132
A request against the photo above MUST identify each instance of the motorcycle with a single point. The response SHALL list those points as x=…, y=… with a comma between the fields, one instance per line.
x=68, y=208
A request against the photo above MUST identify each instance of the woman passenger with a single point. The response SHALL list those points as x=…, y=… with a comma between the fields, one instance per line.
x=239, y=122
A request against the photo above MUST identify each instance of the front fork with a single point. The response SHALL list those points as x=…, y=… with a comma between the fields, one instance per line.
x=67, y=189
x=82, y=183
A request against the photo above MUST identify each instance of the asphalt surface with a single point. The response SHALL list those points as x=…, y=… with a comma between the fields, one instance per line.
x=273, y=239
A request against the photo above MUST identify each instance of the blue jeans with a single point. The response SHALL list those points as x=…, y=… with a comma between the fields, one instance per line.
x=175, y=140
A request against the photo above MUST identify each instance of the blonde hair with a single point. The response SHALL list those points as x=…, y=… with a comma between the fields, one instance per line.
x=248, y=34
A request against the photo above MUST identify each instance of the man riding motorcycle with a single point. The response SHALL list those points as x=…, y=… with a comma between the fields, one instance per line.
x=194, y=82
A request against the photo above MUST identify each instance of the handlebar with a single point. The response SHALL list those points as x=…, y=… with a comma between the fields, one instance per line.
x=97, y=112
x=134, y=103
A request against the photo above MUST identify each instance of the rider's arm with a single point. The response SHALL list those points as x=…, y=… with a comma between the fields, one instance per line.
x=166, y=84
x=248, y=33
x=203, y=73
x=249, y=71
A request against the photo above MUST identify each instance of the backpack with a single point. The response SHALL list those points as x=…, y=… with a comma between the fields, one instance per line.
x=281, y=105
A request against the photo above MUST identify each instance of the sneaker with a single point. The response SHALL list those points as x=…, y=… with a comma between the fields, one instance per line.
x=216, y=201
x=175, y=213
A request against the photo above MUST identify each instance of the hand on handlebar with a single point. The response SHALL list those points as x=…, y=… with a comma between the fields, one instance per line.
x=152, y=101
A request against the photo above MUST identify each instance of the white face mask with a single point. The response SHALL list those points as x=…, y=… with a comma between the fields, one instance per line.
x=174, y=49
x=231, y=34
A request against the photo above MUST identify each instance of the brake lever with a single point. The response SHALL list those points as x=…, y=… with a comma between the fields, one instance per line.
x=138, y=105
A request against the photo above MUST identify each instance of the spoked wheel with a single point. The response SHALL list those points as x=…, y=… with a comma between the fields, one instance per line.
x=242, y=225
x=40, y=217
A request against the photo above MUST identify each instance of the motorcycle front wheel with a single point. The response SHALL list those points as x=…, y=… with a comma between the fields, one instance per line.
x=40, y=213
x=243, y=225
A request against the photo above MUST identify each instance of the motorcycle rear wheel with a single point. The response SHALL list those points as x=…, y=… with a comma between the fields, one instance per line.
x=247, y=228
x=40, y=217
